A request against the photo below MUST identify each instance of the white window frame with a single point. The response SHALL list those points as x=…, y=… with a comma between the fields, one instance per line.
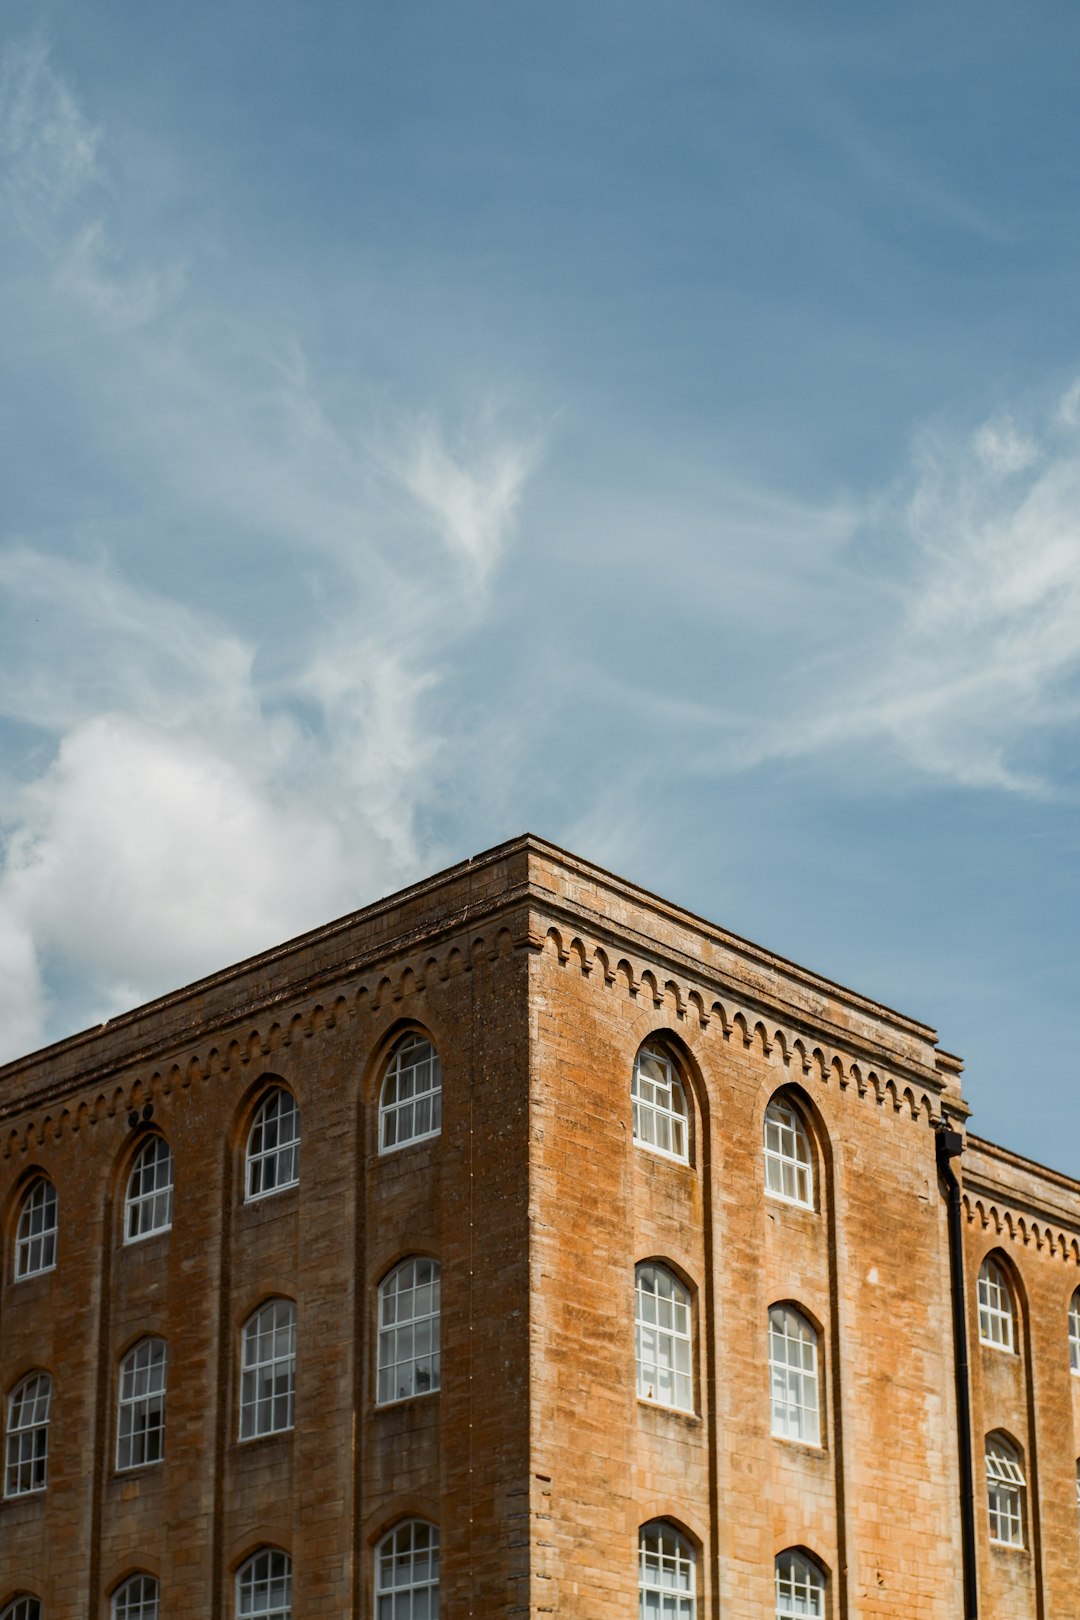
x=997, y=1309
x=410, y=1099
x=1006, y=1489
x=273, y=1165
x=407, y=1569
x=23, y=1607
x=410, y=1309
x=667, y=1573
x=661, y=1113
x=794, y=1382
x=789, y=1165
x=140, y=1407
x=35, y=1236
x=264, y=1586
x=148, y=1201
x=26, y=1453
x=663, y=1338
x=137, y=1598
x=268, y=1370
x=800, y=1587
x=1074, y=1332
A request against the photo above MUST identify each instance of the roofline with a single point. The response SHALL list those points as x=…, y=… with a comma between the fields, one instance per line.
x=994, y=1150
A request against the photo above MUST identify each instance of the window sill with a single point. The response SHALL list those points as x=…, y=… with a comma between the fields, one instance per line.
x=253, y=1441
x=807, y=1448
x=406, y=1400
x=691, y=1419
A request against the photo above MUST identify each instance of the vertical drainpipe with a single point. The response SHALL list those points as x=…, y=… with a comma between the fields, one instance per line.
x=950, y=1144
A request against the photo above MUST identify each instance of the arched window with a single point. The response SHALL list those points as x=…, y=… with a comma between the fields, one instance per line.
x=410, y=1104
x=1074, y=1332
x=793, y=1376
x=800, y=1587
x=663, y=1338
x=268, y=1375
x=788, y=1167
x=1005, y=1487
x=666, y=1574
x=409, y=1331
x=148, y=1205
x=273, y=1149
x=28, y=1436
x=997, y=1318
x=264, y=1586
x=35, y=1239
x=137, y=1599
x=407, y=1572
x=140, y=1421
x=659, y=1105
x=22, y=1608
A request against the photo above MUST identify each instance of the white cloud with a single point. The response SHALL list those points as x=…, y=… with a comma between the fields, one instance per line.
x=470, y=497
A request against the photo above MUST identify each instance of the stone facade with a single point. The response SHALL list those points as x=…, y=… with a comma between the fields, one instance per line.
x=538, y=978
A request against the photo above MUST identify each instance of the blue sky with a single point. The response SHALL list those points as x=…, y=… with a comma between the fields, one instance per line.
x=655, y=427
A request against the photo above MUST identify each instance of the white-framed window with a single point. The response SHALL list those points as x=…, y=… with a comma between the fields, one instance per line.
x=264, y=1586
x=793, y=1376
x=663, y=1338
x=997, y=1319
x=268, y=1370
x=35, y=1237
x=410, y=1103
x=28, y=1435
x=137, y=1599
x=407, y=1572
x=659, y=1105
x=1005, y=1487
x=1074, y=1332
x=409, y=1308
x=148, y=1204
x=789, y=1172
x=140, y=1417
x=800, y=1587
x=273, y=1148
x=667, y=1583
x=23, y=1607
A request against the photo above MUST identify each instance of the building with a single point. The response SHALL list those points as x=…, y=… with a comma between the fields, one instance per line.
x=704, y=1226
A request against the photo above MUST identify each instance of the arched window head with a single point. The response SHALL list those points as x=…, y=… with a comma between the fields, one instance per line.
x=137, y=1599
x=789, y=1172
x=997, y=1315
x=800, y=1587
x=22, y=1608
x=407, y=1572
x=667, y=1583
x=27, y=1459
x=148, y=1204
x=410, y=1103
x=273, y=1149
x=661, y=1120
x=1005, y=1488
x=663, y=1335
x=268, y=1371
x=793, y=1376
x=1074, y=1332
x=35, y=1238
x=140, y=1419
x=264, y=1586
x=409, y=1310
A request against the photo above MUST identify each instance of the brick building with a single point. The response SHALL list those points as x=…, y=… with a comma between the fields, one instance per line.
x=525, y=1245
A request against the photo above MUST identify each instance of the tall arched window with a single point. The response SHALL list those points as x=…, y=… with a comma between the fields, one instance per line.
x=27, y=1461
x=658, y=1096
x=23, y=1607
x=997, y=1317
x=666, y=1574
x=136, y=1599
x=793, y=1376
x=407, y=1572
x=140, y=1420
x=148, y=1204
x=273, y=1149
x=409, y=1309
x=663, y=1333
x=410, y=1103
x=264, y=1586
x=1074, y=1332
x=788, y=1166
x=800, y=1587
x=1005, y=1487
x=35, y=1238
x=268, y=1375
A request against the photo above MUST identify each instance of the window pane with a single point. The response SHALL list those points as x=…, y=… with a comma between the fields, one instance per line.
x=410, y=1102
x=273, y=1155
x=27, y=1452
x=793, y=1376
x=658, y=1105
x=408, y=1329
x=407, y=1572
x=268, y=1372
x=663, y=1343
x=35, y=1239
